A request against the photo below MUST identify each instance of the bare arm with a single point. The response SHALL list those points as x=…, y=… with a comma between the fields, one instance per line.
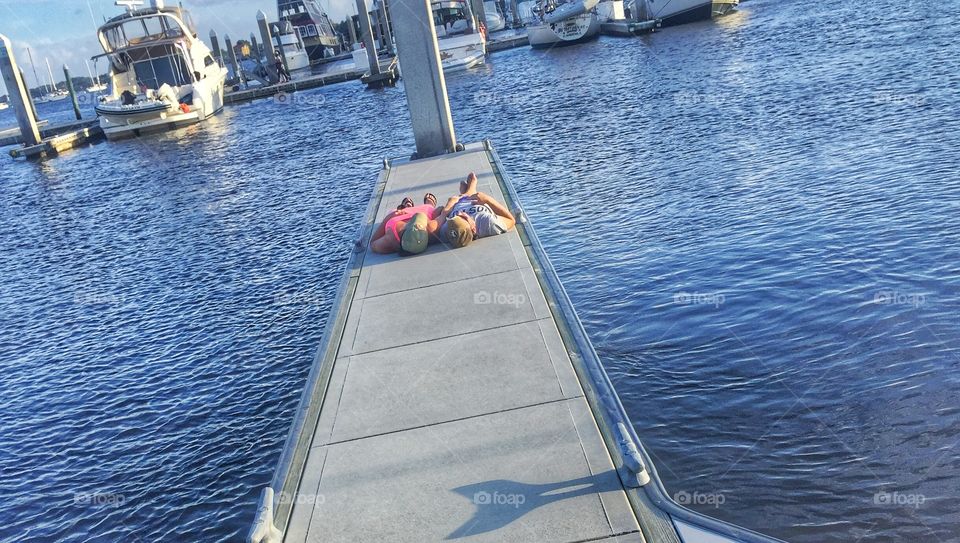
x=498, y=208
x=444, y=211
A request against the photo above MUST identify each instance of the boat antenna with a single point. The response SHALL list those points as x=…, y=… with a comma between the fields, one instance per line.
x=131, y=5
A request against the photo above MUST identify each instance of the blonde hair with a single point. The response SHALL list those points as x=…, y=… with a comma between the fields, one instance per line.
x=459, y=233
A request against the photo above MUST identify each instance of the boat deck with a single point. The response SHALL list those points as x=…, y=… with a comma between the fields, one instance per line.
x=453, y=410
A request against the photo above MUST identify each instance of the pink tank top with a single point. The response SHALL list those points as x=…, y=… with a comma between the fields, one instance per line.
x=405, y=215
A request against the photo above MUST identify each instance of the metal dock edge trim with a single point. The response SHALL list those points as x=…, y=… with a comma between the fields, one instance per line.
x=651, y=502
x=276, y=501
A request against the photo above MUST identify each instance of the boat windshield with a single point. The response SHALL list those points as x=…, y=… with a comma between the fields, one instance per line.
x=447, y=12
x=140, y=30
x=157, y=65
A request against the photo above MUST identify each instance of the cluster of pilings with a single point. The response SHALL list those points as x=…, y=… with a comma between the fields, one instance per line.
x=26, y=112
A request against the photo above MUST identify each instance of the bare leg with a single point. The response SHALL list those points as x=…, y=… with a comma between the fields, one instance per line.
x=469, y=187
x=387, y=244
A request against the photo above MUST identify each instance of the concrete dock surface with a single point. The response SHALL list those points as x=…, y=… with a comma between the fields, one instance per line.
x=453, y=411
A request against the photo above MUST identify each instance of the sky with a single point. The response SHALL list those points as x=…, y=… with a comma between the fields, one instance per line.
x=64, y=31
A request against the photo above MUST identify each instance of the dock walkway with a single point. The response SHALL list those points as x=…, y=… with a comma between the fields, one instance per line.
x=453, y=410
x=456, y=396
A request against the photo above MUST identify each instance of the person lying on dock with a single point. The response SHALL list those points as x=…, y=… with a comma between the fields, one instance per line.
x=407, y=230
x=472, y=215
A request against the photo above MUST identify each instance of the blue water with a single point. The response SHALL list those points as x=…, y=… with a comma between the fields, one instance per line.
x=756, y=219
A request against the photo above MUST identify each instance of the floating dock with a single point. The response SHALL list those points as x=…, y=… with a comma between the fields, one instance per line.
x=56, y=137
x=328, y=77
x=506, y=39
x=62, y=141
x=455, y=396
x=628, y=28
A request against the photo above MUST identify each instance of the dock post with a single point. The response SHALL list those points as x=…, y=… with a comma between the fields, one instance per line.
x=233, y=60
x=33, y=106
x=19, y=96
x=73, y=93
x=375, y=78
x=640, y=11
x=515, y=8
x=255, y=48
x=387, y=34
x=215, y=45
x=266, y=41
x=353, y=32
x=420, y=58
x=366, y=33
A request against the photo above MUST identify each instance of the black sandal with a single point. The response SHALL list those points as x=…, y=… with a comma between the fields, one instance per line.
x=407, y=202
x=430, y=199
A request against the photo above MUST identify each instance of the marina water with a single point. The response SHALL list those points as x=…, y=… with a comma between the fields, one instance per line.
x=756, y=218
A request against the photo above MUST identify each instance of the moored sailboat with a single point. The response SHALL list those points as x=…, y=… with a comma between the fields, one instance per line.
x=563, y=23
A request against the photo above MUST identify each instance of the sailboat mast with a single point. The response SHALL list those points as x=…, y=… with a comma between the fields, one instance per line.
x=34, y=68
x=50, y=73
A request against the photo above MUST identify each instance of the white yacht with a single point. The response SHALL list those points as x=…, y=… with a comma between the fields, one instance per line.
x=563, y=22
x=286, y=36
x=495, y=20
x=4, y=105
x=462, y=45
x=675, y=12
x=162, y=75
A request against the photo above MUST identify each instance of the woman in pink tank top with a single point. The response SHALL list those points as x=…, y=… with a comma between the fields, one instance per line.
x=386, y=238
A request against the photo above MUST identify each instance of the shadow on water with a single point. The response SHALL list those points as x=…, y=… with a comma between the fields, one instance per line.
x=501, y=501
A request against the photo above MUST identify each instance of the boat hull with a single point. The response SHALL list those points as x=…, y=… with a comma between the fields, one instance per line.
x=462, y=52
x=579, y=29
x=297, y=61
x=723, y=7
x=678, y=12
x=117, y=131
x=119, y=123
x=495, y=22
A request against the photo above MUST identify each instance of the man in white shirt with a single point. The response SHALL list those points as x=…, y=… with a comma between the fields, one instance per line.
x=472, y=215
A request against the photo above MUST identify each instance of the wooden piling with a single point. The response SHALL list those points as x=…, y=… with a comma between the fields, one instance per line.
x=73, y=93
x=266, y=41
x=215, y=45
x=233, y=59
x=18, y=93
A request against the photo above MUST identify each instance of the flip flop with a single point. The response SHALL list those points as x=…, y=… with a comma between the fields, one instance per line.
x=430, y=199
x=407, y=202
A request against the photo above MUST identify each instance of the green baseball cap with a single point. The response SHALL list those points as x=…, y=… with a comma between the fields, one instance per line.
x=415, y=238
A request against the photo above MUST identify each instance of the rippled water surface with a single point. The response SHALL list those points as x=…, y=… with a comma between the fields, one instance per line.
x=756, y=218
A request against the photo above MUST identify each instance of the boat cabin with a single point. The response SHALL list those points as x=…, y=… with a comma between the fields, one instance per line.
x=151, y=47
x=451, y=17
